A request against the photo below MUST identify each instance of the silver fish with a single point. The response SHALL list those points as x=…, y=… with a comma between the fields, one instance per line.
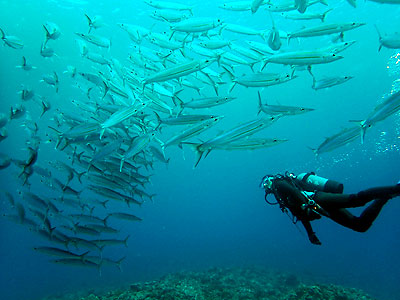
x=11, y=41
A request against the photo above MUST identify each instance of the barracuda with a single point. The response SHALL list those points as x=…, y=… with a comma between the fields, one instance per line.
x=280, y=110
x=337, y=140
x=178, y=71
x=236, y=133
x=169, y=5
x=196, y=25
x=191, y=132
x=324, y=30
x=95, y=39
x=302, y=58
x=11, y=41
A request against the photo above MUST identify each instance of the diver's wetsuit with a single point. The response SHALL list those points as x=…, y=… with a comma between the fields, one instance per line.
x=334, y=205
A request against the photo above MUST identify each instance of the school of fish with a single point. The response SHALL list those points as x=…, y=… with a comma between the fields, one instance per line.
x=105, y=148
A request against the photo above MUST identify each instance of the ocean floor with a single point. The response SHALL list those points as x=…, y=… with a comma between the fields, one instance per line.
x=226, y=284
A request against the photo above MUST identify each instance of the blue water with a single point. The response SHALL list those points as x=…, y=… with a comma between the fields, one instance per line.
x=214, y=215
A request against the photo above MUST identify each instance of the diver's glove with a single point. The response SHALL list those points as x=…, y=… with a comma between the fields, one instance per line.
x=313, y=239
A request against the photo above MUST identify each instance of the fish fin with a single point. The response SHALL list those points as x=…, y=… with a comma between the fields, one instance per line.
x=118, y=263
x=324, y=2
x=82, y=256
x=324, y=14
x=126, y=240
x=2, y=34
x=314, y=150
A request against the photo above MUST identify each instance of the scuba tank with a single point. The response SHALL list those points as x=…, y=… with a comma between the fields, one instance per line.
x=312, y=182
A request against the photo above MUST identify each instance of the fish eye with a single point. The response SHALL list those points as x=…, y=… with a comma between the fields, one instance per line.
x=333, y=54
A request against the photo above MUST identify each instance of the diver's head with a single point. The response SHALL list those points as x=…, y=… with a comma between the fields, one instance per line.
x=266, y=183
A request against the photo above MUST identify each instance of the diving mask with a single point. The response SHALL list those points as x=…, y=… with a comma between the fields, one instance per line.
x=266, y=183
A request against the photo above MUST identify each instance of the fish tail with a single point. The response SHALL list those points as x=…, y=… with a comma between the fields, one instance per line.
x=82, y=256
x=118, y=262
x=2, y=35
x=259, y=103
x=126, y=240
x=264, y=65
x=314, y=150
x=324, y=2
x=179, y=103
x=80, y=175
x=363, y=131
x=158, y=120
x=323, y=17
x=104, y=205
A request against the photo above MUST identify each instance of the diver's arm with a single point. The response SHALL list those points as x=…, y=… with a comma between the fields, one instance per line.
x=311, y=234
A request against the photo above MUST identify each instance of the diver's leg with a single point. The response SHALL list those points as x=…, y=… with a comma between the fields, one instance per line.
x=330, y=200
x=361, y=223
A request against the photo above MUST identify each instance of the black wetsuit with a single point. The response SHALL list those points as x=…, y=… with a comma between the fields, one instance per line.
x=333, y=205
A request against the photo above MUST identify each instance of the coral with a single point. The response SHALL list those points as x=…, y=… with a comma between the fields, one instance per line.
x=232, y=284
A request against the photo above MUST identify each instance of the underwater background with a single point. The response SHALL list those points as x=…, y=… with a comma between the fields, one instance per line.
x=214, y=215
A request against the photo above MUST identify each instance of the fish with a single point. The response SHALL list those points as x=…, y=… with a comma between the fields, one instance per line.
x=94, y=23
x=391, y=41
x=243, y=30
x=215, y=44
x=302, y=58
x=202, y=102
x=327, y=82
x=178, y=71
x=138, y=144
x=182, y=119
x=135, y=32
x=352, y=3
x=337, y=140
x=46, y=51
x=5, y=161
x=325, y=29
x=3, y=120
x=239, y=132
x=337, y=47
x=111, y=242
x=25, y=66
x=169, y=5
x=121, y=115
x=51, y=79
x=237, y=5
x=259, y=79
x=95, y=40
x=191, y=131
x=386, y=108
x=386, y=1
x=52, y=31
x=255, y=5
x=3, y=134
x=77, y=263
x=97, y=58
x=193, y=25
x=288, y=6
x=11, y=41
x=124, y=216
x=307, y=16
x=26, y=94
x=245, y=144
x=280, y=110
x=52, y=251
x=171, y=16
x=273, y=39
x=17, y=112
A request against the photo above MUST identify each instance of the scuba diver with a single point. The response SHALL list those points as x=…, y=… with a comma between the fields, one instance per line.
x=308, y=197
